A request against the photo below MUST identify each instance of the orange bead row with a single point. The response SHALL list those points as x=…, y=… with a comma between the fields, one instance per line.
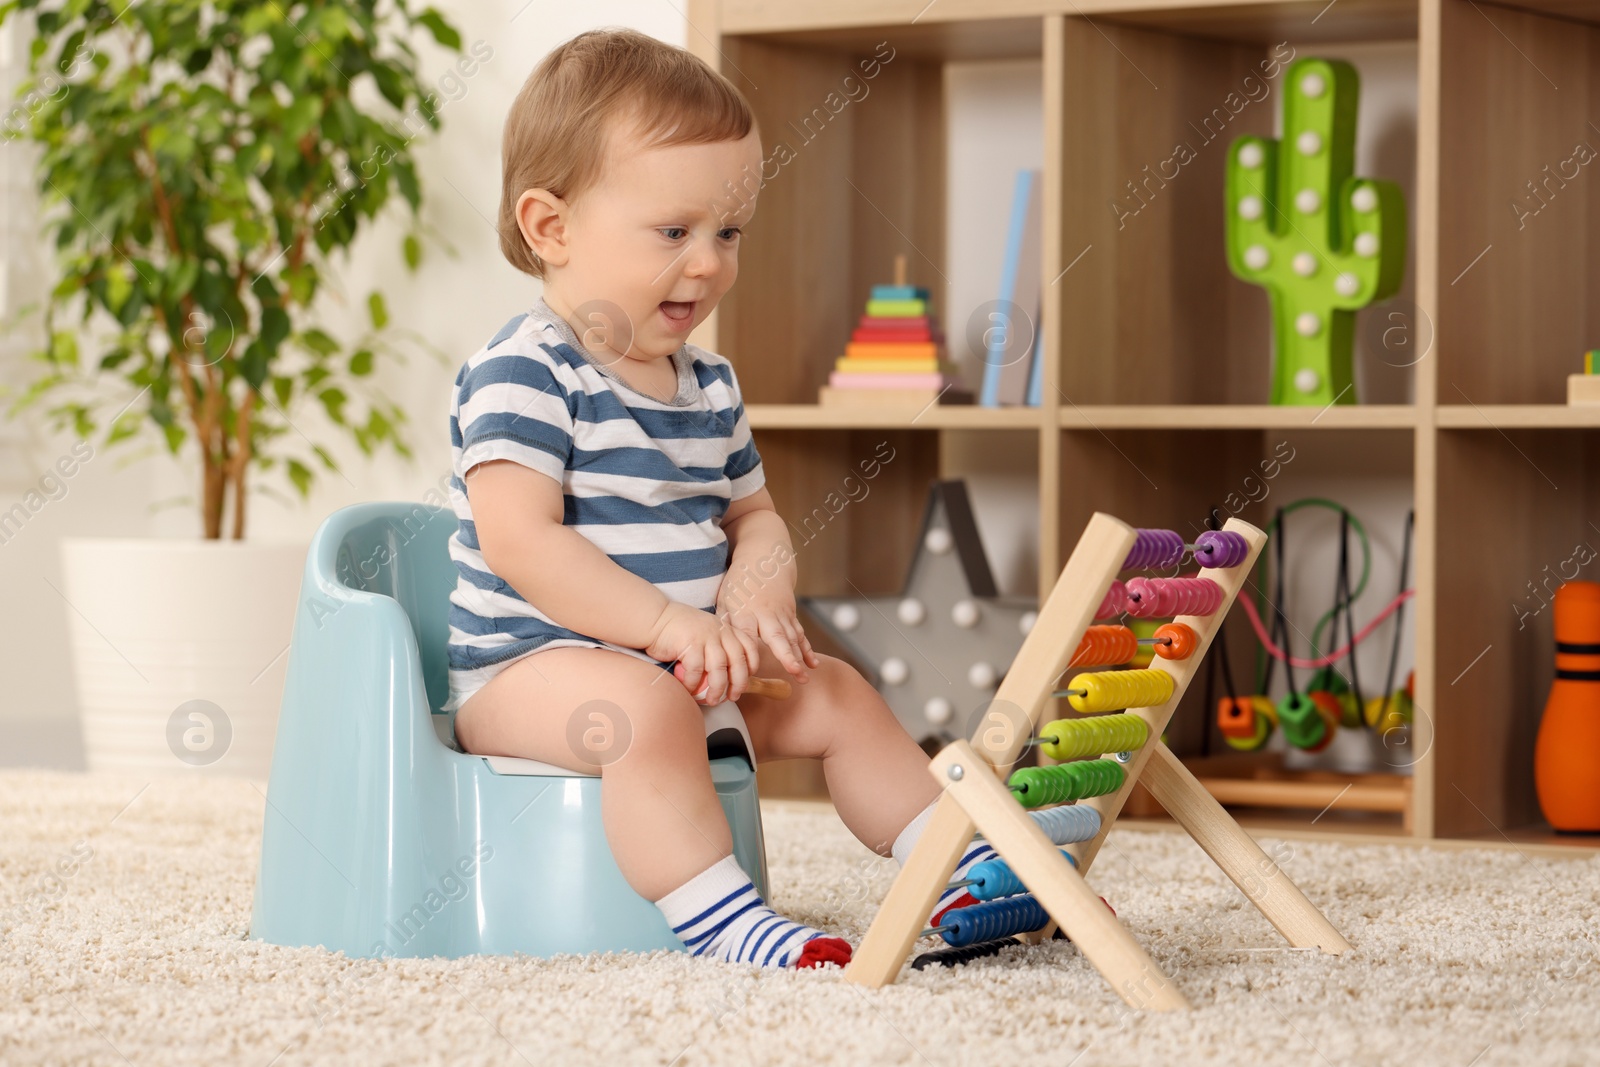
x=1104, y=646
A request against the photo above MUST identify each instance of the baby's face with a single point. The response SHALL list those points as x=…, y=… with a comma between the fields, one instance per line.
x=658, y=236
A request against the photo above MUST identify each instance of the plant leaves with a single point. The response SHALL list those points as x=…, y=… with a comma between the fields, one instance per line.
x=64, y=348
x=333, y=399
x=274, y=327
x=442, y=31
x=378, y=310
x=254, y=364
x=319, y=342
x=300, y=475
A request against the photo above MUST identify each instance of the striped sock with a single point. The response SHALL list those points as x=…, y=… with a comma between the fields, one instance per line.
x=719, y=914
x=977, y=852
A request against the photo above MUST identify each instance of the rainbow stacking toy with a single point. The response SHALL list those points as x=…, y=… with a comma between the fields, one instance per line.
x=895, y=354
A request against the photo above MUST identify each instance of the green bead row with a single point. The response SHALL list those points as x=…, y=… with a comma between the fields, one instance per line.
x=1077, y=738
x=1034, y=787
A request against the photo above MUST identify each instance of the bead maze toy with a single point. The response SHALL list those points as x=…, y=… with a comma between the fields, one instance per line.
x=1322, y=242
x=1309, y=718
x=1037, y=886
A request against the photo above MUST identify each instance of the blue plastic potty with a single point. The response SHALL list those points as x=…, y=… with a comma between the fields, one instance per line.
x=382, y=838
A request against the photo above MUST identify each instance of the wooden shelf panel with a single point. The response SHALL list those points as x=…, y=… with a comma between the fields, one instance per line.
x=1307, y=23
x=1576, y=10
x=934, y=417
x=1541, y=835
x=1391, y=796
x=1236, y=416
x=1181, y=417
x=1517, y=416
x=972, y=29
x=931, y=40
x=902, y=16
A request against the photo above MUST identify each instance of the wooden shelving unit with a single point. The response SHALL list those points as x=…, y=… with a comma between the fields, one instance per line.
x=1157, y=359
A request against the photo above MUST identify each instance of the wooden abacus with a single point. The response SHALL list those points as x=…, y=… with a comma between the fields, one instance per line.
x=975, y=798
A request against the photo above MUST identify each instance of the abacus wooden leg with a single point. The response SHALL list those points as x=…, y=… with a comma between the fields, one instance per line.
x=1066, y=614
x=911, y=898
x=1237, y=853
x=1053, y=881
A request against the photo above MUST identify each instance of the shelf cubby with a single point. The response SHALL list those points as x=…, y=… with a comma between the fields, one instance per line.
x=1150, y=313
x=1523, y=504
x=1519, y=261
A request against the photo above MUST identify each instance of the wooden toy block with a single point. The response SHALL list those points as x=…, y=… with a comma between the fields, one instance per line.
x=896, y=308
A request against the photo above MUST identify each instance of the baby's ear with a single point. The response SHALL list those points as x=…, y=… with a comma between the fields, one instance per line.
x=541, y=216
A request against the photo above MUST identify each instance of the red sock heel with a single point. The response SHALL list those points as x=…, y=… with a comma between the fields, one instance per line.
x=821, y=950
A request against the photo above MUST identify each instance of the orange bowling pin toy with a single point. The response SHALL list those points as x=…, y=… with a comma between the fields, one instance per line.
x=1566, y=758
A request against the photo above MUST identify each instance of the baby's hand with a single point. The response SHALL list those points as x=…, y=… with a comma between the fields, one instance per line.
x=768, y=613
x=713, y=660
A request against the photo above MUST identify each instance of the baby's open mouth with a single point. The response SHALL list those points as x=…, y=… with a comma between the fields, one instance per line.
x=678, y=313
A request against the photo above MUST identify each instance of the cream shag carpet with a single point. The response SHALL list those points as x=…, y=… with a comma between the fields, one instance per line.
x=136, y=955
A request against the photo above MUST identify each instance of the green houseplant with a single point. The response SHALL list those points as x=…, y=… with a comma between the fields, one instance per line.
x=200, y=163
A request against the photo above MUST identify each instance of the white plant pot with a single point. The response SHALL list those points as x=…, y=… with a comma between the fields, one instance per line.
x=180, y=650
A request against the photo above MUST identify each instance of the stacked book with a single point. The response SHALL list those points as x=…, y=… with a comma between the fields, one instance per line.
x=895, y=354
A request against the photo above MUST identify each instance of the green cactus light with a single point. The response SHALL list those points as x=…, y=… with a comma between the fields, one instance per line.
x=1322, y=242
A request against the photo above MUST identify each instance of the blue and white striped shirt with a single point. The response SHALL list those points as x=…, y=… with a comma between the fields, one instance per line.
x=647, y=481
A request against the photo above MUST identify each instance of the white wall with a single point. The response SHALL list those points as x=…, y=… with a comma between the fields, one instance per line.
x=995, y=127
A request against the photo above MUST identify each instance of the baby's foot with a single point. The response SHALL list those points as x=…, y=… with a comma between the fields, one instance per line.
x=949, y=899
x=719, y=914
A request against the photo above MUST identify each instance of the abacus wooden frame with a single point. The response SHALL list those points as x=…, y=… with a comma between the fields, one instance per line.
x=975, y=799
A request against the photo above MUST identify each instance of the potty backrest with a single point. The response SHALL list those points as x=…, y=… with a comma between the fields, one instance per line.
x=399, y=550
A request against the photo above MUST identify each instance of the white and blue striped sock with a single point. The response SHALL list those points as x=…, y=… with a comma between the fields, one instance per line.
x=718, y=913
x=977, y=852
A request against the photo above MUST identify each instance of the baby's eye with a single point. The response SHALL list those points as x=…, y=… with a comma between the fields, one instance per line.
x=729, y=233
x=673, y=233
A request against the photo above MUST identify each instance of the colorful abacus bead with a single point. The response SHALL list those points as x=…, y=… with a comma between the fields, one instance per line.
x=1115, y=601
x=1175, y=641
x=993, y=879
x=1152, y=597
x=1154, y=550
x=1036, y=787
x=1220, y=548
x=997, y=918
x=1068, y=823
x=1073, y=739
x=1104, y=646
x=957, y=957
x=1115, y=690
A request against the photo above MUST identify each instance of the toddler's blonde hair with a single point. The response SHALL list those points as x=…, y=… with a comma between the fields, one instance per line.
x=555, y=134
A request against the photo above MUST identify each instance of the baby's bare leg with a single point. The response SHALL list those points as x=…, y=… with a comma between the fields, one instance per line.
x=877, y=775
x=599, y=711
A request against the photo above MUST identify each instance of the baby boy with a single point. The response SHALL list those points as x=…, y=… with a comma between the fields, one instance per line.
x=617, y=547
